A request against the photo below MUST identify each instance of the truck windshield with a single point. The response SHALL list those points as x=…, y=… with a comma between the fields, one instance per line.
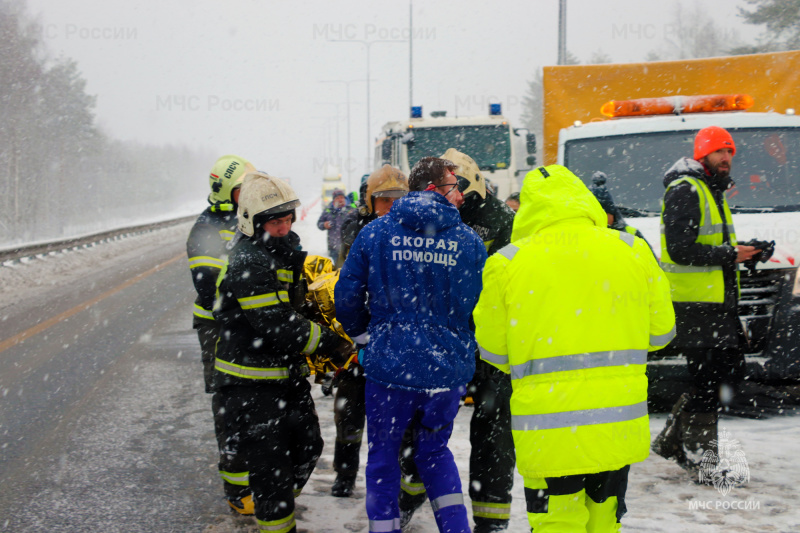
x=489, y=146
x=766, y=168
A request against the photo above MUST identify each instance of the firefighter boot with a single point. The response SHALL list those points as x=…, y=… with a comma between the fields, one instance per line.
x=243, y=506
x=668, y=442
x=699, y=441
x=343, y=485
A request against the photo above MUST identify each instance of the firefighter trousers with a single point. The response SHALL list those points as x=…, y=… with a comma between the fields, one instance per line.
x=275, y=429
x=231, y=468
x=349, y=417
x=588, y=503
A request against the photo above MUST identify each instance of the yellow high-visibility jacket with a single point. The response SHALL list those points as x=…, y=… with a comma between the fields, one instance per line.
x=570, y=309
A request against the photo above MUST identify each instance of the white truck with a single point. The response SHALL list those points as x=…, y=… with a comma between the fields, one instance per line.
x=489, y=139
x=636, y=152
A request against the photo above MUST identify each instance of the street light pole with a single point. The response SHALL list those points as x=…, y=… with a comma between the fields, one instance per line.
x=347, y=90
x=367, y=45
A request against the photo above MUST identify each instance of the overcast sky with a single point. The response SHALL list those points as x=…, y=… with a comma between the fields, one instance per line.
x=246, y=77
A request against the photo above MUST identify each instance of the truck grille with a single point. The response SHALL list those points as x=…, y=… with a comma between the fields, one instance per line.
x=760, y=291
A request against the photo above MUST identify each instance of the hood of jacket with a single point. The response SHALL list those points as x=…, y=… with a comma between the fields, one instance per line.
x=694, y=169
x=551, y=195
x=425, y=212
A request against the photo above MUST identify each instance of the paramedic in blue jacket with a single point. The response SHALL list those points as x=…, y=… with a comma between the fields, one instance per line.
x=406, y=291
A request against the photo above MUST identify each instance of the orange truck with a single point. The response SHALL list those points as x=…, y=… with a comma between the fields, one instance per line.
x=633, y=121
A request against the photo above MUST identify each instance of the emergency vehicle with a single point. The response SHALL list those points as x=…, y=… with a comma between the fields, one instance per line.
x=639, y=139
x=489, y=139
x=331, y=180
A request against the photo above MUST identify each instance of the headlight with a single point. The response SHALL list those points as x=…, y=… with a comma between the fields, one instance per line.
x=796, y=288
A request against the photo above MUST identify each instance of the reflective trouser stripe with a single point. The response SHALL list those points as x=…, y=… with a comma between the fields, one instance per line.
x=263, y=300
x=202, y=313
x=286, y=276
x=297, y=492
x=581, y=361
x=412, y=488
x=226, y=235
x=446, y=501
x=662, y=340
x=282, y=525
x=205, y=261
x=498, y=511
x=348, y=438
x=314, y=337
x=673, y=268
x=384, y=526
x=583, y=417
x=628, y=238
x=492, y=357
x=248, y=372
x=236, y=478
x=508, y=251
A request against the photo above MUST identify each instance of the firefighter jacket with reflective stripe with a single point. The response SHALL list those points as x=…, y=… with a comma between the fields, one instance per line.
x=570, y=310
x=263, y=337
x=700, y=281
x=205, y=247
x=490, y=218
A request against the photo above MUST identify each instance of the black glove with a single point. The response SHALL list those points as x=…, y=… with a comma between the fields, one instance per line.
x=341, y=352
x=767, y=248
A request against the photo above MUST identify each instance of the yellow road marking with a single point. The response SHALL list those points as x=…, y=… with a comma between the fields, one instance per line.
x=40, y=327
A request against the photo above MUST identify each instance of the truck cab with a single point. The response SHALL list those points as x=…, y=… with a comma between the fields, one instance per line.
x=489, y=139
x=636, y=152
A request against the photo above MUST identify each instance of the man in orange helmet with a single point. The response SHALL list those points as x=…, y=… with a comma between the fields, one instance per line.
x=700, y=256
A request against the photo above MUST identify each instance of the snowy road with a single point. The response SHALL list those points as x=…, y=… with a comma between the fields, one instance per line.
x=104, y=425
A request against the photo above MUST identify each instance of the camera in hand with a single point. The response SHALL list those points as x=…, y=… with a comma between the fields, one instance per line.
x=765, y=251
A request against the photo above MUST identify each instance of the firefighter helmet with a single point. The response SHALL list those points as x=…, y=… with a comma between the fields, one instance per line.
x=469, y=175
x=226, y=175
x=263, y=194
x=387, y=182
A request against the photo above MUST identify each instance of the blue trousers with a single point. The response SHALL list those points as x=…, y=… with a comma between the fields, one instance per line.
x=389, y=413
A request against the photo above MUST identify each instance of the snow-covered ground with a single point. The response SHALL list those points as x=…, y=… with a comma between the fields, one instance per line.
x=660, y=497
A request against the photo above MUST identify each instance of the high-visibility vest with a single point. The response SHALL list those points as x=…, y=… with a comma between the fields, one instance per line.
x=701, y=284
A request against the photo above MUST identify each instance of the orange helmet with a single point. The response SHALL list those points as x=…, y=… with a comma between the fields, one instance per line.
x=711, y=139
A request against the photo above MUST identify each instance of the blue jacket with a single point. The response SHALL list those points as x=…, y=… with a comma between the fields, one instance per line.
x=419, y=270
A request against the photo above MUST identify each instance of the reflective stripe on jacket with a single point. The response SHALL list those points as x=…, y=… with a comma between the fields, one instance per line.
x=570, y=310
x=692, y=283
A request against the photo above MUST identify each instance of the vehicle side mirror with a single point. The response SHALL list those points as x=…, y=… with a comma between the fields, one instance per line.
x=386, y=151
x=530, y=143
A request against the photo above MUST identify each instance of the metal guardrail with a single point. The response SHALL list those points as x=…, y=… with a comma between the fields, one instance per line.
x=38, y=250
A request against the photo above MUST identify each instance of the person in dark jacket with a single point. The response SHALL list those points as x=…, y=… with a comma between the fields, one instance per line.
x=615, y=219
x=261, y=369
x=492, y=457
x=331, y=220
x=419, y=270
x=381, y=189
x=700, y=256
x=205, y=248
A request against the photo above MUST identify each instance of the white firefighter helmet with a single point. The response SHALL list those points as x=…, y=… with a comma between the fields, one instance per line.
x=469, y=175
x=388, y=182
x=226, y=175
x=263, y=194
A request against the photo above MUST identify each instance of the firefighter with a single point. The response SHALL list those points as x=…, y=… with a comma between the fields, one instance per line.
x=383, y=187
x=206, y=251
x=417, y=270
x=700, y=256
x=261, y=371
x=491, y=465
x=570, y=310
